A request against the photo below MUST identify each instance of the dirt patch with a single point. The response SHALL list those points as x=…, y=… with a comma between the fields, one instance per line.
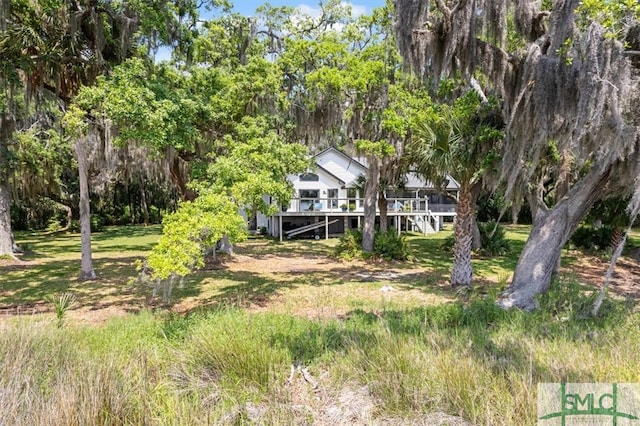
x=306, y=399
x=13, y=264
x=316, y=284
x=591, y=270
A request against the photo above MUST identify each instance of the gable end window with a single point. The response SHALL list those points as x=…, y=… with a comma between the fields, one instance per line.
x=309, y=177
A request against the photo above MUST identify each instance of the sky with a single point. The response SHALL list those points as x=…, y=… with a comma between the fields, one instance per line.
x=307, y=7
x=359, y=7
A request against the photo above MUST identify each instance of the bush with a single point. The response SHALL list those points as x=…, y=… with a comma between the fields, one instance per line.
x=448, y=243
x=569, y=300
x=53, y=225
x=587, y=237
x=391, y=246
x=493, y=244
x=350, y=244
x=97, y=224
x=388, y=245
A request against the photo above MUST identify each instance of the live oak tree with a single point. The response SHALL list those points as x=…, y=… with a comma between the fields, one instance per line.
x=347, y=89
x=252, y=161
x=61, y=46
x=219, y=122
x=567, y=75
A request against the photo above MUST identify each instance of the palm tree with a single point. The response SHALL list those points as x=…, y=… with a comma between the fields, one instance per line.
x=458, y=142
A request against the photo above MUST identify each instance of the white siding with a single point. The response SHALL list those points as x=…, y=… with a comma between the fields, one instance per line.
x=340, y=166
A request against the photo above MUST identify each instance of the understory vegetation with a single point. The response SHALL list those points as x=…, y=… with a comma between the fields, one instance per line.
x=492, y=239
x=386, y=245
x=230, y=366
x=321, y=347
x=600, y=238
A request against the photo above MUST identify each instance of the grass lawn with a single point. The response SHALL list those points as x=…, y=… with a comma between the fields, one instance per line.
x=282, y=333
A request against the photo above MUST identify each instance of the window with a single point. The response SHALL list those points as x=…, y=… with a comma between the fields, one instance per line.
x=308, y=199
x=309, y=177
x=354, y=196
x=332, y=195
x=308, y=193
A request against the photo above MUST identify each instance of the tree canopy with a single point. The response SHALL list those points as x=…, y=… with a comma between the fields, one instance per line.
x=566, y=75
x=538, y=98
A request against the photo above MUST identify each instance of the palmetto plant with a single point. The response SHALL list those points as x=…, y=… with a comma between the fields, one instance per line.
x=61, y=304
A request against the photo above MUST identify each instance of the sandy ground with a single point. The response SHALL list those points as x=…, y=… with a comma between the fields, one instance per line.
x=589, y=270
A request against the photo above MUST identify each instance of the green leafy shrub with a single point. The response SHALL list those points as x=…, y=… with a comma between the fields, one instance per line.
x=493, y=243
x=587, y=237
x=387, y=245
x=350, y=244
x=53, y=225
x=391, y=246
x=448, y=243
x=97, y=224
x=191, y=231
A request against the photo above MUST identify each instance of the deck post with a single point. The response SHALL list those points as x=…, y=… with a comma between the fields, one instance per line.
x=280, y=226
x=326, y=226
x=424, y=225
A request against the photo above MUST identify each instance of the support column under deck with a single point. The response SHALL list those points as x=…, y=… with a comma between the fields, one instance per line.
x=326, y=227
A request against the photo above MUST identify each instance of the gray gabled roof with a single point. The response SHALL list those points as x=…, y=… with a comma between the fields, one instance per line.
x=412, y=179
x=415, y=181
x=333, y=148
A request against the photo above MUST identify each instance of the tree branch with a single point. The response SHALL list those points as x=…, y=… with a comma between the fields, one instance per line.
x=476, y=86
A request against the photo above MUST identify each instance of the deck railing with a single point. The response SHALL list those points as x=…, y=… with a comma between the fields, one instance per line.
x=356, y=205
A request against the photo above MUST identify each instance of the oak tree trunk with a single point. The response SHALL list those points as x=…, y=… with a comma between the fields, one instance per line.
x=462, y=271
x=370, y=197
x=68, y=214
x=515, y=212
x=6, y=237
x=86, y=263
x=382, y=207
x=6, y=240
x=550, y=232
x=225, y=245
x=178, y=177
x=143, y=203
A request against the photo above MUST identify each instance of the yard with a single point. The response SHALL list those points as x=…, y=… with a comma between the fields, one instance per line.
x=283, y=333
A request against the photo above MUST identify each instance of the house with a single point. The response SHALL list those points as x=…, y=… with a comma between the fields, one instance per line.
x=328, y=200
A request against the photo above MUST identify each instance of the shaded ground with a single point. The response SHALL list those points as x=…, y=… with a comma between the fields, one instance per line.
x=296, y=277
x=591, y=270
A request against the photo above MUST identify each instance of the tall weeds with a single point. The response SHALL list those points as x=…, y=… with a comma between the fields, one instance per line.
x=229, y=366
